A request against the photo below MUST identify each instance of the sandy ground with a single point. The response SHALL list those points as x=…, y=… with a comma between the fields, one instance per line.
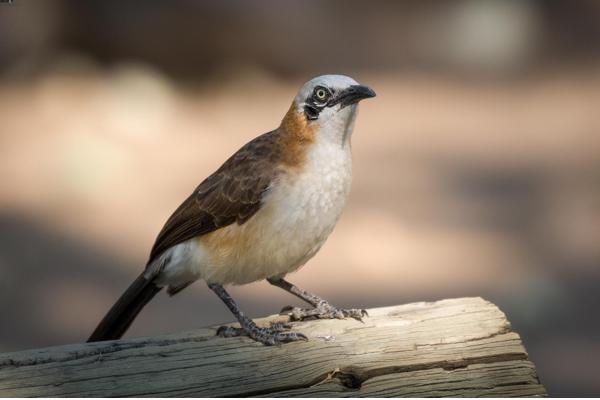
x=460, y=189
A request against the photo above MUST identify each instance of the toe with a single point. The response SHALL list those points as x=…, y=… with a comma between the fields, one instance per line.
x=288, y=337
x=229, y=331
x=355, y=313
x=275, y=335
x=279, y=327
x=286, y=310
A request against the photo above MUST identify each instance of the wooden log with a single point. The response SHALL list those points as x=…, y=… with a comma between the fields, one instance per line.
x=458, y=347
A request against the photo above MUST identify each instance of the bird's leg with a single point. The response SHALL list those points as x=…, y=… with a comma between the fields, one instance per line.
x=322, y=309
x=275, y=334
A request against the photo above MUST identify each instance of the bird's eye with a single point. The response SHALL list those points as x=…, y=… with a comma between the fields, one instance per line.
x=321, y=94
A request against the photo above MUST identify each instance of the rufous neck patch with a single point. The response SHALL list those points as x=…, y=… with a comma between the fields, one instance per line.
x=296, y=137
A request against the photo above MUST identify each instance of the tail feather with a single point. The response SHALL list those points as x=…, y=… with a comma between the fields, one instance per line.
x=121, y=315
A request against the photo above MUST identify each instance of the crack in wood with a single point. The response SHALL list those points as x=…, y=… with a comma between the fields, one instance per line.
x=353, y=377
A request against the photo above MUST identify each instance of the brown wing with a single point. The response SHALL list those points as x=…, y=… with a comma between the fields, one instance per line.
x=230, y=195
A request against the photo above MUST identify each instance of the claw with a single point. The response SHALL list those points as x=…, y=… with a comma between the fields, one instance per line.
x=229, y=331
x=271, y=336
x=285, y=310
x=357, y=314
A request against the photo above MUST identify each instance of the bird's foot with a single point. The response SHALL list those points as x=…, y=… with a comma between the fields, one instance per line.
x=323, y=310
x=275, y=334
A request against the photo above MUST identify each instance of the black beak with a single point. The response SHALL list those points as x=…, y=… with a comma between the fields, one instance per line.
x=353, y=95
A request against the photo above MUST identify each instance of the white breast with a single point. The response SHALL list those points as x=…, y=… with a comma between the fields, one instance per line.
x=298, y=214
x=307, y=206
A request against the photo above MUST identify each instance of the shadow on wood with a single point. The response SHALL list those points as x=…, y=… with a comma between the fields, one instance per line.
x=458, y=347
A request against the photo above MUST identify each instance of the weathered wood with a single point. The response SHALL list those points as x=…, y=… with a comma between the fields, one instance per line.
x=459, y=347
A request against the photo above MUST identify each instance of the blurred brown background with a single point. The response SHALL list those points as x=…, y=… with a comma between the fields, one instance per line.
x=477, y=167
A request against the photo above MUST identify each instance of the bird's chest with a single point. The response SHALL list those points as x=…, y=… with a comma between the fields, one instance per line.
x=298, y=213
x=308, y=204
x=302, y=208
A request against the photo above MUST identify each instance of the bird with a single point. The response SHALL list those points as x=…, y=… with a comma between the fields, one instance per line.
x=263, y=214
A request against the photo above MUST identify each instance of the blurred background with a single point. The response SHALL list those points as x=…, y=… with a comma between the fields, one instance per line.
x=477, y=167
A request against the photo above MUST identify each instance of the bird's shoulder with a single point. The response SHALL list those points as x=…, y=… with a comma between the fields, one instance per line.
x=232, y=194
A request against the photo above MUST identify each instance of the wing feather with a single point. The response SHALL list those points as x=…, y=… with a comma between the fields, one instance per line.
x=232, y=194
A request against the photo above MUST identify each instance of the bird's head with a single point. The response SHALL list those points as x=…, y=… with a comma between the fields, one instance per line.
x=329, y=102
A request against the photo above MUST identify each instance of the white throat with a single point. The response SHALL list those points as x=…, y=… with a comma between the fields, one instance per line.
x=335, y=125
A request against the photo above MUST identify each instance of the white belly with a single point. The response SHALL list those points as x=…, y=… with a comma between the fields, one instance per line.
x=298, y=214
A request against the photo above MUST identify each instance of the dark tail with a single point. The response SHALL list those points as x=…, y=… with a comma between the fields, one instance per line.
x=122, y=314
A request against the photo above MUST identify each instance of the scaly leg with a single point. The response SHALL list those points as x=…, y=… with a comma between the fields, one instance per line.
x=322, y=309
x=276, y=334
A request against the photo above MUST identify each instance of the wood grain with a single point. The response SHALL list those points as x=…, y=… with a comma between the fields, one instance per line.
x=457, y=347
